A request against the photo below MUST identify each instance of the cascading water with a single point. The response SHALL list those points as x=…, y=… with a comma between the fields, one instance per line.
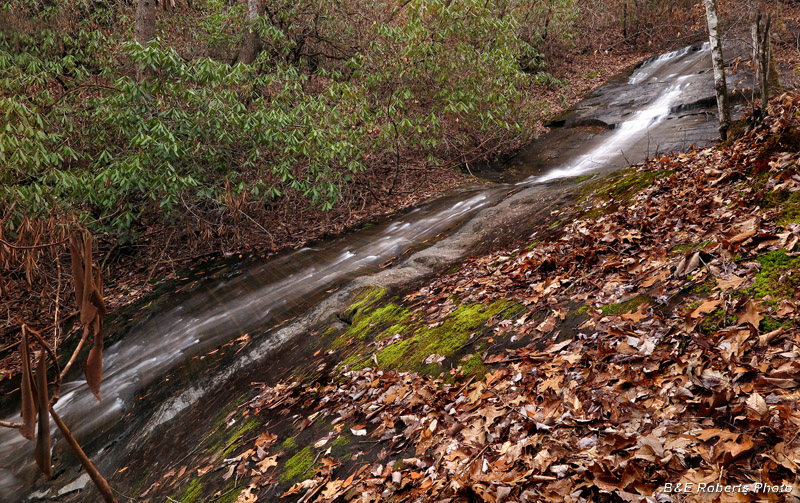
x=216, y=312
x=246, y=304
x=633, y=129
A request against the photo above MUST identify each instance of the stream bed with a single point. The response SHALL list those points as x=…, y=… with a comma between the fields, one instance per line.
x=164, y=370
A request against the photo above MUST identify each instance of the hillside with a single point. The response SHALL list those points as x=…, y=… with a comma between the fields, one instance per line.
x=651, y=341
x=314, y=252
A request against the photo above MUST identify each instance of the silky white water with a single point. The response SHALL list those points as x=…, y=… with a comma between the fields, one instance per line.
x=633, y=129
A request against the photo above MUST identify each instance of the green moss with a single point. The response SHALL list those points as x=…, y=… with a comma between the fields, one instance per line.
x=289, y=444
x=299, y=466
x=378, y=320
x=694, y=305
x=625, y=307
x=768, y=324
x=596, y=213
x=356, y=361
x=474, y=366
x=330, y=331
x=706, y=286
x=584, y=309
x=444, y=340
x=191, y=493
x=623, y=185
x=231, y=438
x=533, y=245
x=339, y=342
x=342, y=441
x=230, y=493
x=778, y=277
x=715, y=321
x=582, y=178
x=365, y=299
x=787, y=202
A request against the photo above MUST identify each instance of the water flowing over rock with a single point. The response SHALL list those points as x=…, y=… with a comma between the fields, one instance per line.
x=305, y=284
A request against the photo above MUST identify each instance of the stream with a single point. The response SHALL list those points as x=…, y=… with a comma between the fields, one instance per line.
x=661, y=106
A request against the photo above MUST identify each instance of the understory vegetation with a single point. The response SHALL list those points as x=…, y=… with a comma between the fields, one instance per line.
x=433, y=82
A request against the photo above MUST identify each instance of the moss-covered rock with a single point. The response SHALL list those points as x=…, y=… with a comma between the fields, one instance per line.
x=623, y=185
x=191, y=493
x=779, y=276
x=628, y=306
x=787, y=202
x=378, y=320
x=365, y=299
x=474, y=367
x=298, y=467
x=445, y=339
x=226, y=440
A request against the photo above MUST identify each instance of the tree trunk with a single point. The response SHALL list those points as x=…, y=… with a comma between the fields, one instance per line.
x=251, y=45
x=766, y=74
x=763, y=60
x=145, y=29
x=718, y=63
x=756, y=7
x=145, y=21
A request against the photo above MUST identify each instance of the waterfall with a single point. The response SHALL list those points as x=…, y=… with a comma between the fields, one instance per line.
x=638, y=125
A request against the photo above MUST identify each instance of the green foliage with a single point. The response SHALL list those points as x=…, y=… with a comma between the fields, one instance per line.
x=340, y=86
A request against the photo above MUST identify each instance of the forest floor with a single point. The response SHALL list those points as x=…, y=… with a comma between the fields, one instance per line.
x=651, y=340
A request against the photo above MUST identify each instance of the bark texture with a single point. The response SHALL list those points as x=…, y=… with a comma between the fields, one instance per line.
x=145, y=21
x=251, y=45
x=766, y=73
x=145, y=31
x=718, y=63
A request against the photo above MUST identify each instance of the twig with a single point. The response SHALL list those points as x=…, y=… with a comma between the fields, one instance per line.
x=7, y=424
x=75, y=354
x=77, y=88
x=32, y=247
x=100, y=482
x=108, y=256
x=58, y=303
x=149, y=276
x=8, y=213
x=268, y=233
x=44, y=344
x=312, y=463
x=590, y=273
